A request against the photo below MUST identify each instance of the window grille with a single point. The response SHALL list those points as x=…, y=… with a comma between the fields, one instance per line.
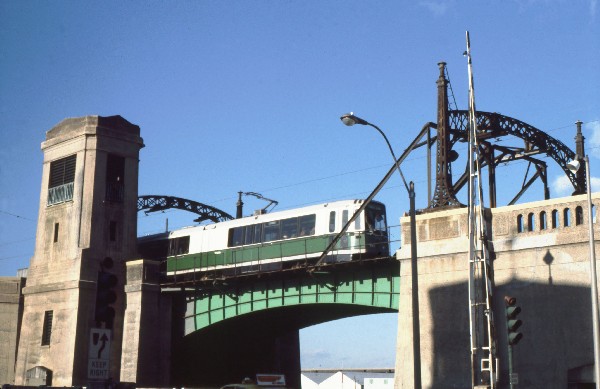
x=60, y=183
x=47, y=330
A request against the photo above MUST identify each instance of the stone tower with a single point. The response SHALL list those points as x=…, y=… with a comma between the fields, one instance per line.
x=87, y=213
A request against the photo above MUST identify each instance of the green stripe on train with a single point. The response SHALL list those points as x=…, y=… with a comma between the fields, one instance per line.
x=241, y=255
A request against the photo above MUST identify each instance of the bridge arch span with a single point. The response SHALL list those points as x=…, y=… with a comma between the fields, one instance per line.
x=251, y=325
x=298, y=301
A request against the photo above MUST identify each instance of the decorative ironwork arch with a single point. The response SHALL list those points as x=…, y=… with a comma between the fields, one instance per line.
x=155, y=203
x=494, y=125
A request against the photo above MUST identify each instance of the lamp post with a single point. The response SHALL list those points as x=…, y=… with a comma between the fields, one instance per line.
x=574, y=166
x=350, y=119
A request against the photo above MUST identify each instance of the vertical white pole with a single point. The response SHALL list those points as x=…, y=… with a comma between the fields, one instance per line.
x=593, y=277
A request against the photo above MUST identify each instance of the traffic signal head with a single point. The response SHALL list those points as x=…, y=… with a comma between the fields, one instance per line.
x=512, y=323
x=105, y=296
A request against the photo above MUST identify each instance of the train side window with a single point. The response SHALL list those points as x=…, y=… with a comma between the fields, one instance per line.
x=357, y=221
x=307, y=225
x=272, y=231
x=289, y=228
x=179, y=246
x=248, y=231
x=344, y=217
x=257, y=233
x=236, y=236
x=331, y=221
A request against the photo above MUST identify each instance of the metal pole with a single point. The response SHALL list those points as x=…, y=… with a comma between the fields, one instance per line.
x=414, y=274
x=415, y=290
x=594, y=280
x=413, y=236
x=510, y=366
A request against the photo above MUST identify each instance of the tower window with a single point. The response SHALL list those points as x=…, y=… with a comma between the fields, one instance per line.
x=112, y=231
x=55, y=232
x=115, y=170
x=60, y=183
x=47, y=329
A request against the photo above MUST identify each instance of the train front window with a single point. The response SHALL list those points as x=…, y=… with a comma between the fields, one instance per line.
x=375, y=217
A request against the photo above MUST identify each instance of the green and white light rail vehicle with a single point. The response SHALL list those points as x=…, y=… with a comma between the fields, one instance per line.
x=273, y=241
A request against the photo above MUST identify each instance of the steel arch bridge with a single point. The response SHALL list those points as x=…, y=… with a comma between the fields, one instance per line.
x=156, y=203
x=493, y=126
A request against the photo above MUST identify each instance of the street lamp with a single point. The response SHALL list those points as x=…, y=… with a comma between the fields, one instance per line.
x=350, y=119
x=574, y=166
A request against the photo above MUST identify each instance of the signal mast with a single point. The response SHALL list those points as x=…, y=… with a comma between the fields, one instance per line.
x=481, y=320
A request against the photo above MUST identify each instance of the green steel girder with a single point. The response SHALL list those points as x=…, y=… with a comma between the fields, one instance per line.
x=343, y=292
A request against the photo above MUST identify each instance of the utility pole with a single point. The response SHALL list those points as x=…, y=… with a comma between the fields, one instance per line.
x=481, y=321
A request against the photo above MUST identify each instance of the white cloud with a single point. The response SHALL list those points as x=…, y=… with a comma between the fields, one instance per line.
x=561, y=186
x=592, y=133
x=438, y=8
x=595, y=183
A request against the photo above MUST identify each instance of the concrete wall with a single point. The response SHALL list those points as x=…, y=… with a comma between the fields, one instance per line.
x=11, y=312
x=547, y=270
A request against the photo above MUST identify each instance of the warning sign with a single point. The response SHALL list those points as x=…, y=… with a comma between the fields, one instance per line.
x=99, y=354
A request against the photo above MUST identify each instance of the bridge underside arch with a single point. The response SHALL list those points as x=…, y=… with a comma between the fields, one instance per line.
x=237, y=330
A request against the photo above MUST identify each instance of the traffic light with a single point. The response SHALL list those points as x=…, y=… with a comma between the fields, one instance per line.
x=512, y=323
x=105, y=294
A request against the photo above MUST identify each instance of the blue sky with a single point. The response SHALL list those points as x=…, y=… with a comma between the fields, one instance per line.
x=246, y=95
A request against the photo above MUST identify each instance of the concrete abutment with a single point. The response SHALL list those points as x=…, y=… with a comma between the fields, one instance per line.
x=545, y=268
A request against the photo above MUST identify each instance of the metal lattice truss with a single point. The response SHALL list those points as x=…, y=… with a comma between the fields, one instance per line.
x=153, y=203
x=491, y=127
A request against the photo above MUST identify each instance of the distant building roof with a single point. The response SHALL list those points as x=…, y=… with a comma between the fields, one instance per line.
x=357, y=375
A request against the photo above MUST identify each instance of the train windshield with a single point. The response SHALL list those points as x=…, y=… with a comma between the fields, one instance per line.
x=375, y=217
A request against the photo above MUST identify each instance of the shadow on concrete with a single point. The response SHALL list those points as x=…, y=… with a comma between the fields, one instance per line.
x=557, y=334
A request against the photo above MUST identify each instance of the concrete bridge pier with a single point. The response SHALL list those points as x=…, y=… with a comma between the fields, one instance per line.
x=146, y=356
x=156, y=351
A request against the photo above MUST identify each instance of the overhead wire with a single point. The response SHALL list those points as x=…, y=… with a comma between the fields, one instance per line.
x=337, y=175
x=314, y=180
